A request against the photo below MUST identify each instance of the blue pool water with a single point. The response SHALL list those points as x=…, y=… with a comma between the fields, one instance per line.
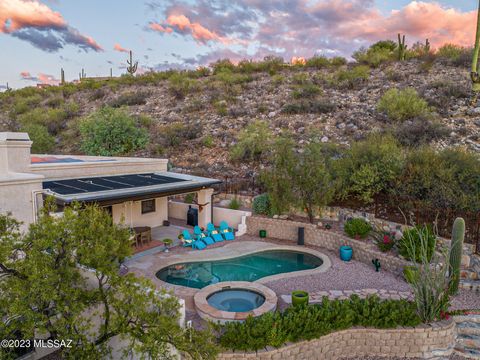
x=236, y=300
x=246, y=268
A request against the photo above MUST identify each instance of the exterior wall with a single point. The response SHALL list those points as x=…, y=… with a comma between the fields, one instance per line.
x=288, y=230
x=17, y=197
x=99, y=168
x=130, y=213
x=178, y=210
x=426, y=342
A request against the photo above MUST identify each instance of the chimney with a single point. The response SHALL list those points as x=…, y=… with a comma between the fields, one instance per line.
x=14, y=152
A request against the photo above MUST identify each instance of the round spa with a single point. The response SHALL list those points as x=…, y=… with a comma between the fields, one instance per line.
x=234, y=301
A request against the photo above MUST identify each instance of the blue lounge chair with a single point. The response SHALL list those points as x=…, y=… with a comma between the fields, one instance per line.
x=201, y=236
x=214, y=233
x=226, y=231
x=189, y=241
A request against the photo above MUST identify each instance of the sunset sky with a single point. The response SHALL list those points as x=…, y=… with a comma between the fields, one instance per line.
x=37, y=38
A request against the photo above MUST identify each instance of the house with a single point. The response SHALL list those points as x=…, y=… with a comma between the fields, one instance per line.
x=133, y=190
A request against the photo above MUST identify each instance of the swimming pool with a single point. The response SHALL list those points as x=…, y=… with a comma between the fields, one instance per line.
x=245, y=268
x=236, y=300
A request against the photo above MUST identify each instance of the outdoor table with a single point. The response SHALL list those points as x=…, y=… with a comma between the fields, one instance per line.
x=143, y=234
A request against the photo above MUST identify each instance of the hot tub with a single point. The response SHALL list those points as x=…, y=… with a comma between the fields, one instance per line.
x=234, y=301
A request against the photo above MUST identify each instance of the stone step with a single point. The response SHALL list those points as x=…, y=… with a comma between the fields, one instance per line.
x=466, y=352
x=468, y=329
x=468, y=341
x=467, y=319
x=473, y=285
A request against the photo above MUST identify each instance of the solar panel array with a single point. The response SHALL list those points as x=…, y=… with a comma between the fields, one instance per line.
x=106, y=183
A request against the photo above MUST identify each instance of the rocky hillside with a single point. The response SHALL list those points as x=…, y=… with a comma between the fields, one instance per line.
x=195, y=122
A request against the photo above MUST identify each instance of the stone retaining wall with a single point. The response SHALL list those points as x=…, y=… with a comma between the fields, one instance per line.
x=426, y=342
x=288, y=230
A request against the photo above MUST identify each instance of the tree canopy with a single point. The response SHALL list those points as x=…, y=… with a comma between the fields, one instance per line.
x=62, y=279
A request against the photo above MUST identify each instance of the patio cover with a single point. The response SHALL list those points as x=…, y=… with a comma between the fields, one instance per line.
x=114, y=189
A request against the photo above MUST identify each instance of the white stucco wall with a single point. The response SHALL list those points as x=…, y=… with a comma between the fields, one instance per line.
x=178, y=210
x=131, y=213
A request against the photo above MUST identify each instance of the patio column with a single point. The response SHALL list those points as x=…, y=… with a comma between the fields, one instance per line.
x=204, y=207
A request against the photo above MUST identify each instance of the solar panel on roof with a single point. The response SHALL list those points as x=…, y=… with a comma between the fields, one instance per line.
x=105, y=183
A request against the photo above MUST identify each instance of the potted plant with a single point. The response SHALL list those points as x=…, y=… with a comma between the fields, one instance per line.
x=262, y=233
x=346, y=252
x=328, y=226
x=299, y=298
x=167, y=242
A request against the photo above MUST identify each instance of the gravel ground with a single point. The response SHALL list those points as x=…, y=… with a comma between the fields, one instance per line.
x=352, y=275
x=466, y=299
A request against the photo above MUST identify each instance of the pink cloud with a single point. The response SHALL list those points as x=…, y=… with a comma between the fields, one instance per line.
x=119, y=48
x=41, y=78
x=32, y=21
x=18, y=14
x=160, y=28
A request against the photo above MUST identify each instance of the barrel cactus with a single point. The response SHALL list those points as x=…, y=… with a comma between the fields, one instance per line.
x=456, y=247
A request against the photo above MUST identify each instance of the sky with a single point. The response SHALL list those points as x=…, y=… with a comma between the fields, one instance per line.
x=40, y=37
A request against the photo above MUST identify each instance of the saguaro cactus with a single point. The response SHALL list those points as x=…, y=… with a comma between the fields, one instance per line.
x=62, y=76
x=82, y=75
x=475, y=77
x=402, y=48
x=456, y=248
x=427, y=46
x=132, y=67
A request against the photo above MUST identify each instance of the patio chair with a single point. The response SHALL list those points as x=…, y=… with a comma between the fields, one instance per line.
x=189, y=241
x=214, y=233
x=200, y=235
x=226, y=231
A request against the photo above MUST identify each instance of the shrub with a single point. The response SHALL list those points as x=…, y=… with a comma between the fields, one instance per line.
x=111, y=132
x=253, y=142
x=420, y=132
x=385, y=240
x=300, y=78
x=410, y=245
x=177, y=133
x=52, y=119
x=313, y=321
x=306, y=91
x=130, y=99
x=357, y=228
x=377, y=54
x=43, y=142
x=261, y=205
x=320, y=106
x=208, y=141
x=450, y=51
x=222, y=65
x=318, y=62
x=234, y=204
x=189, y=198
x=54, y=102
x=352, y=78
x=180, y=85
x=401, y=105
x=338, y=61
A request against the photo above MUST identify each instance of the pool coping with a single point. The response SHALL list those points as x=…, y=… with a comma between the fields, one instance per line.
x=238, y=249
x=208, y=312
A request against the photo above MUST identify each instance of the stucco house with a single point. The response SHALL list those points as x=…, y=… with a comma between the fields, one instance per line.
x=133, y=190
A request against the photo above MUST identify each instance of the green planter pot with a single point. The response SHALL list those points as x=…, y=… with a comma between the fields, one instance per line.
x=299, y=298
x=262, y=233
x=410, y=273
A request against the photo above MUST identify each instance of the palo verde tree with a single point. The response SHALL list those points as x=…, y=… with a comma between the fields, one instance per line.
x=475, y=77
x=62, y=279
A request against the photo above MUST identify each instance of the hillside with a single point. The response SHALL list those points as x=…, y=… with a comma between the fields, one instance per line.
x=194, y=120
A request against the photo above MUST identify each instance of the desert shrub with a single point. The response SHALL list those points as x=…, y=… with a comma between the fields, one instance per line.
x=338, y=61
x=318, y=62
x=376, y=54
x=180, y=85
x=385, y=240
x=52, y=119
x=261, y=205
x=369, y=167
x=320, y=106
x=178, y=133
x=450, y=51
x=222, y=65
x=357, y=228
x=410, y=245
x=130, y=99
x=25, y=104
x=306, y=91
x=54, y=102
x=401, y=105
x=418, y=132
x=278, y=79
x=313, y=321
x=252, y=142
x=300, y=78
x=352, y=78
x=208, y=141
x=234, y=204
x=442, y=93
x=43, y=142
x=221, y=107
x=98, y=94
x=109, y=132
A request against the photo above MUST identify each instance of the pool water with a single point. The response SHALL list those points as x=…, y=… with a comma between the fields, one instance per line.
x=246, y=268
x=236, y=300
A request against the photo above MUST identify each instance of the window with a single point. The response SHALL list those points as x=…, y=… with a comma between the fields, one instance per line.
x=148, y=206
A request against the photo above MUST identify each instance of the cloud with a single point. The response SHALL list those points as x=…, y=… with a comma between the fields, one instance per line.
x=36, y=23
x=119, y=48
x=256, y=28
x=41, y=78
